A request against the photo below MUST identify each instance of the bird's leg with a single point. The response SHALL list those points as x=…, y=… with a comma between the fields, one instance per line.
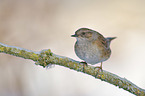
x=84, y=64
x=101, y=66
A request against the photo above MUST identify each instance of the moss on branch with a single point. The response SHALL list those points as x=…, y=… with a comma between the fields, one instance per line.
x=46, y=57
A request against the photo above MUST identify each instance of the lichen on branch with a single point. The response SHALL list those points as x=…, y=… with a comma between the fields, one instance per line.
x=46, y=57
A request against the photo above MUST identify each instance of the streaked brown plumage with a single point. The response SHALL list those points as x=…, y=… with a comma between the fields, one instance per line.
x=91, y=46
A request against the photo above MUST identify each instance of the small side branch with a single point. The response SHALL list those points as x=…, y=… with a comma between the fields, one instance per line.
x=46, y=57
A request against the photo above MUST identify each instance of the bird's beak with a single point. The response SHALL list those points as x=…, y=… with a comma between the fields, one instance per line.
x=74, y=35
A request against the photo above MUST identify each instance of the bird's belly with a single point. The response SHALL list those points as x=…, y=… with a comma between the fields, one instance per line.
x=92, y=57
x=89, y=54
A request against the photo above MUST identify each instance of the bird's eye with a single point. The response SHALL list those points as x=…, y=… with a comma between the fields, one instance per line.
x=83, y=33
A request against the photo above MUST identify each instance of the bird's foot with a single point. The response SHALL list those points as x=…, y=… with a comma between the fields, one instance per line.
x=99, y=68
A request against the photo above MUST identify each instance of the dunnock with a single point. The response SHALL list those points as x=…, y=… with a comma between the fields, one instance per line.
x=91, y=46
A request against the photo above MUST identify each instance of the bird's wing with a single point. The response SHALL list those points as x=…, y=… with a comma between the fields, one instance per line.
x=101, y=41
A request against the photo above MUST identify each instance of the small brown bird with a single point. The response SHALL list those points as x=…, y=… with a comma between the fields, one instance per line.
x=91, y=46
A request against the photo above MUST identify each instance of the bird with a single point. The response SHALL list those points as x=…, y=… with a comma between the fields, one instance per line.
x=92, y=47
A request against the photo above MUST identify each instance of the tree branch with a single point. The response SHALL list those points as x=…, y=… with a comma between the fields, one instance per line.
x=46, y=57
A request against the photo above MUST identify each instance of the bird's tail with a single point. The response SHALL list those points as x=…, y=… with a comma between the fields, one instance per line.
x=109, y=39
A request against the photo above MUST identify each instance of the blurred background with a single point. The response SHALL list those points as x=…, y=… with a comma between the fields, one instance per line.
x=44, y=24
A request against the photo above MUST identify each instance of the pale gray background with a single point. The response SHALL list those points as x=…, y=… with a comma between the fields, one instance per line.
x=43, y=24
